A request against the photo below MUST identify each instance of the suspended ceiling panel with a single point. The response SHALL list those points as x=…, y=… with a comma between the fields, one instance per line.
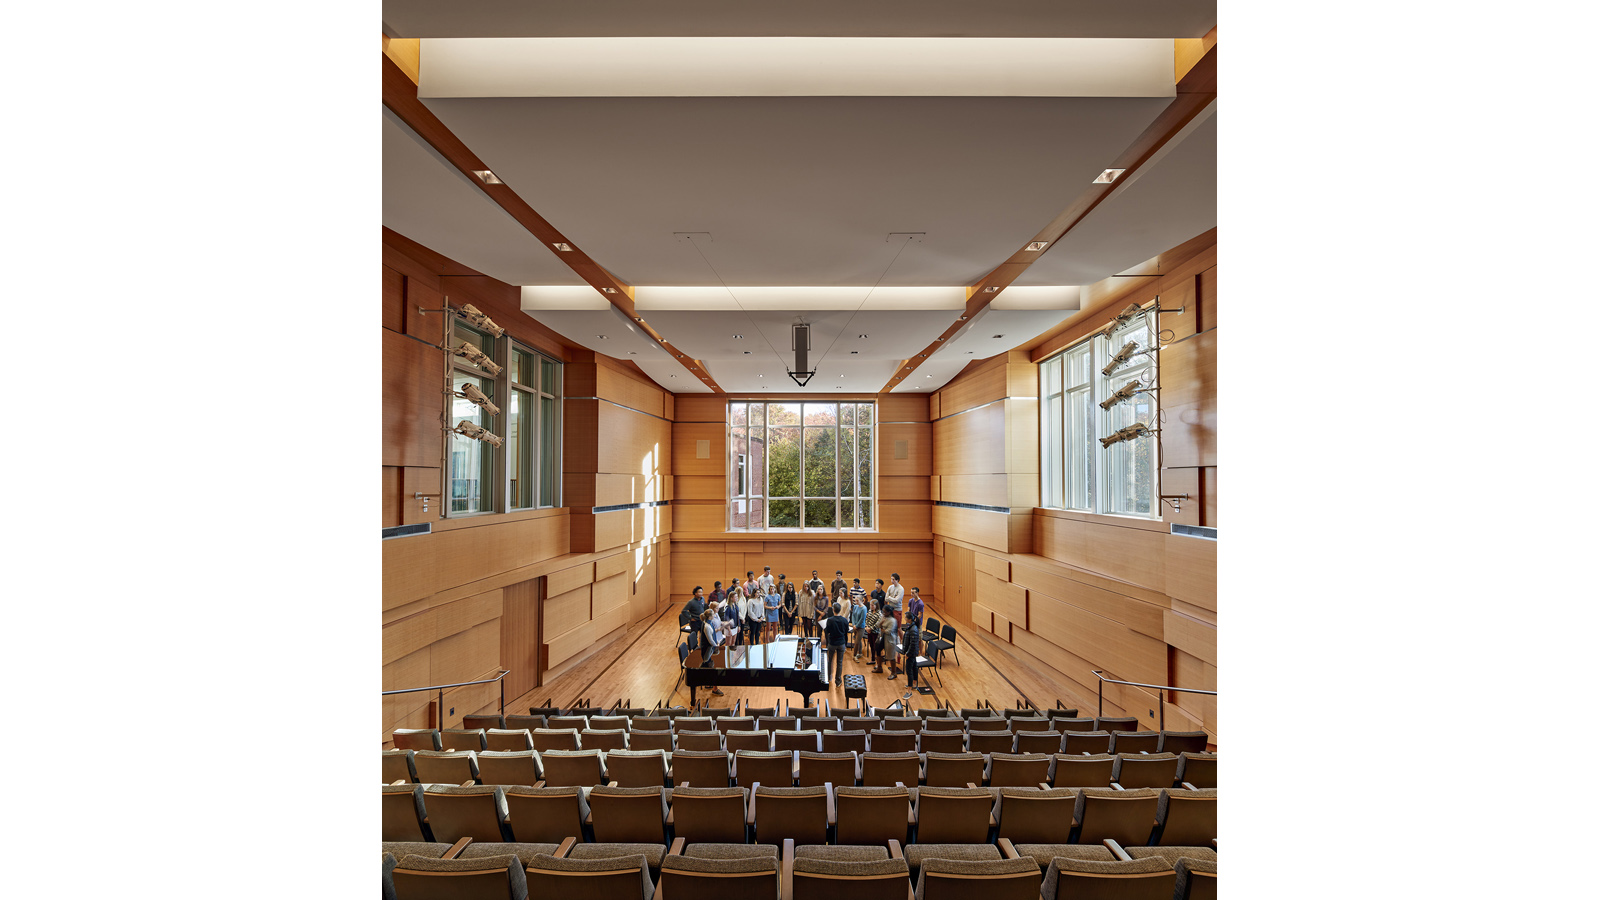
x=1168, y=203
x=769, y=335
x=933, y=374
x=672, y=376
x=994, y=331
x=996, y=18
x=797, y=190
x=430, y=202
x=605, y=331
x=798, y=299
x=769, y=374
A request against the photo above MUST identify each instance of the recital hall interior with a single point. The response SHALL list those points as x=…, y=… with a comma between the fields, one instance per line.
x=676, y=296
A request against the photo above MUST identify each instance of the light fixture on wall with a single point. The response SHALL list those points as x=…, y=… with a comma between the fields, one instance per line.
x=477, y=357
x=477, y=319
x=1174, y=500
x=1126, y=433
x=1126, y=353
x=1126, y=392
x=470, y=392
x=477, y=433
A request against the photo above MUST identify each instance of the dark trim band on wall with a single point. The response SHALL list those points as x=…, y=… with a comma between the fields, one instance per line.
x=1000, y=509
x=1199, y=531
x=395, y=531
x=622, y=506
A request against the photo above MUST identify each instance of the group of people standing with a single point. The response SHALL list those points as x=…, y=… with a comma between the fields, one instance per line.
x=846, y=616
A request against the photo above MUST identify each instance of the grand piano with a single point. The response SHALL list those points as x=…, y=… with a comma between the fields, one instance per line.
x=761, y=665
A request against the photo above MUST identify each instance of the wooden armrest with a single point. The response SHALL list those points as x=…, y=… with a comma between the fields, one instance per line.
x=670, y=811
x=894, y=849
x=589, y=819
x=750, y=813
x=1008, y=850
x=971, y=785
x=456, y=848
x=398, y=781
x=1189, y=787
x=565, y=848
x=538, y=784
x=1117, y=787
x=786, y=873
x=1044, y=786
x=992, y=822
x=677, y=847
x=833, y=816
x=468, y=783
x=1116, y=850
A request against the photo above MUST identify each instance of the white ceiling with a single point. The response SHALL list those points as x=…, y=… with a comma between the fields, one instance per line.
x=994, y=18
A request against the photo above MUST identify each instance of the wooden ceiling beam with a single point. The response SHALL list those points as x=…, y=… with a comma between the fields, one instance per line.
x=1196, y=90
x=400, y=96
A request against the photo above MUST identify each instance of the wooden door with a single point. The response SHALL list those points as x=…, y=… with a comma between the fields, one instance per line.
x=521, y=636
x=961, y=583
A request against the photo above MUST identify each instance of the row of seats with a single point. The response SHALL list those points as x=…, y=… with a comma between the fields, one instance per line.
x=494, y=870
x=657, y=768
x=823, y=814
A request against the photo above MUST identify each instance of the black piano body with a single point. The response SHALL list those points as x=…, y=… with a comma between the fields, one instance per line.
x=760, y=665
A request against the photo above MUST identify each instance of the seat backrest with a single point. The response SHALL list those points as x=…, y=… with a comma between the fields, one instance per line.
x=1139, y=879
x=416, y=739
x=987, y=723
x=484, y=721
x=576, y=722
x=1037, y=817
x=488, y=877
x=871, y=815
x=884, y=769
x=546, y=711
x=649, y=723
x=509, y=767
x=748, y=878
x=1183, y=742
x=902, y=723
x=701, y=768
x=403, y=813
x=699, y=740
x=508, y=739
x=796, y=813
x=586, y=711
x=555, y=739
x=892, y=741
x=1085, y=741
x=840, y=741
x=932, y=626
x=611, y=739
x=1071, y=723
x=456, y=812
x=1186, y=818
x=1135, y=741
x=1198, y=769
x=795, y=740
x=936, y=712
x=801, y=712
x=990, y=742
x=756, y=712
x=933, y=740
x=710, y=814
x=445, y=766
x=1126, y=817
x=1116, y=723
x=629, y=815
x=1197, y=879
x=990, y=879
x=545, y=815
x=1018, y=769
x=1083, y=771
x=819, y=723
x=832, y=879
x=523, y=723
x=953, y=815
x=637, y=768
x=609, y=723
x=859, y=723
x=836, y=768
x=775, y=768
x=777, y=723
x=954, y=769
x=651, y=740
x=616, y=878
x=747, y=740
x=1038, y=742
x=1153, y=770
x=582, y=768
x=1029, y=723
x=694, y=723
x=397, y=766
x=716, y=712
x=948, y=632
x=726, y=724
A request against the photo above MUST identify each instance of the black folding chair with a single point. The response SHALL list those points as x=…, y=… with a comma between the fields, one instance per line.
x=945, y=641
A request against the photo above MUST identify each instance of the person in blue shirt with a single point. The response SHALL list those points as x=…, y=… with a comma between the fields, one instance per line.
x=858, y=618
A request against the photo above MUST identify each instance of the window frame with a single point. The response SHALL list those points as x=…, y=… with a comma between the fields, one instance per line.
x=503, y=352
x=747, y=497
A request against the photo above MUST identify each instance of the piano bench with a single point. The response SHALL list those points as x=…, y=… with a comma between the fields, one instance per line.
x=855, y=687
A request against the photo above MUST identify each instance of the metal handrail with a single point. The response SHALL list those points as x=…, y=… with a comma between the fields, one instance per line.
x=440, y=688
x=1100, y=690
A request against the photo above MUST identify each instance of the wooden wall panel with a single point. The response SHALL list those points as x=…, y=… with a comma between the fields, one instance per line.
x=1145, y=618
x=972, y=443
x=1181, y=292
x=416, y=480
x=421, y=295
x=917, y=449
x=1189, y=399
x=699, y=518
x=974, y=526
x=467, y=654
x=391, y=496
x=1128, y=554
x=1182, y=481
x=1191, y=636
x=1192, y=570
x=413, y=400
x=982, y=618
x=416, y=632
x=622, y=388
x=903, y=516
x=1208, y=487
x=1005, y=598
x=610, y=594
x=520, y=637
x=1208, y=298
x=566, y=611
x=570, y=579
x=394, y=299
x=982, y=385
x=701, y=487
x=685, y=447
x=903, y=487
x=903, y=408
x=700, y=408
x=611, y=565
x=992, y=565
x=1022, y=434
x=415, y=567
x=1106, y=643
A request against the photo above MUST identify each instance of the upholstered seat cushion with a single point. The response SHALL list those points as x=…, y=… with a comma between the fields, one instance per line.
x=1173, y=854
x=572, y=863
x=973, y=867
x=916, y=853
x=1041, y=854
x=513, y=866
x=842, y=853
x=1092, y=867
x=523, y=852
x=712, y=850
x=653, y=853
x=402, y=849
x=814, y=865
x=722, y=866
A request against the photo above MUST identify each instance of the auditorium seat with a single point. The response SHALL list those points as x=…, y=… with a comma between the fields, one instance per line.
x=546, y=711
x=936, y=712
x=653, y=853
x=990, y=742
x=1172, y=854
x=1135, y=741
x=795, y=740
x=1035, y=816
x=935, y=740
x=1028, y=723
x=1083, y=771
x=716, y=712
x=991, y=879
x=839, y=769
x=586, y=711
x=819, y=723
x=397, y=766
x=777, y=723
x=628, y=711
x=859, y=723
x=555, y=739
x=633, y=815
x=802, y=712
x=715, y=814
x=871, y=815
x=716, y=850
x=509, y=767
x=432, y=850
x=637, y=768
x=508, y=739
x=699, y=740
x=609, y=723
x=1198, y=769
x=887, y=769
x=1073, y=742
x=603, y=739
x=576, y=723
x=892, y=741
x=483, y=721
x=1070, y=723
x=953, y=815
x=1038, y=742
x=774, y=767
x=1126, y=817
x=989, y=723
x=649, y=723
x=1182, y=742
x=703, y=768
x=491, y=878
x=953, y=769
x=525, y=853
x=1018, y=769
x=545, y=813
x=830, y=877
x=734, y=741
x=466, y=811
x=445, y=766
x=416, y=739
x=1185, y=818
x=1116, y=723
x=1061, y=710
x=757, y=712
x=976, y=712
x=682, y=724
x=524, y=723
x=840, y=741
x=1041, y=854
x=615, y=878
x=404, y=816
x=581, y=768
x=902, y=723
x=801, y=814
x=726, y=724
x=672, y=712
x=1145, y=770
x=652, y=740
x=1197, y=880
x=1139, y=879
x=749, y=878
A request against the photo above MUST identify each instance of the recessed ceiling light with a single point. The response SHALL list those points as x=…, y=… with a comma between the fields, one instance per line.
x=927, y=376
x=990, y=289
x=747, y=353
x=863, y=336
x=633, y=353
x=938, y=339
x=963, y=318
x=487, y=177
x=680, y=356
x=1038, y=245
x=998, y=336
x=638, y=318
x=608, y=290
x=738, y=337
x=925, y=356
x=969, y=352
x=672, y=376
x=761, y=376
x=1109, y=176
x=854, y=352
x=563, y=246
x=601, y=336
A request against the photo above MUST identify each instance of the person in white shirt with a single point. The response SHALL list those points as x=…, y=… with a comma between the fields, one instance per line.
x=895, y=593
x=765, y=582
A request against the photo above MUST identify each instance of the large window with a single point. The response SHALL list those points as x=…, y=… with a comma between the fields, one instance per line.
x=1078, y=472
x=800, y=465
x=525, y=473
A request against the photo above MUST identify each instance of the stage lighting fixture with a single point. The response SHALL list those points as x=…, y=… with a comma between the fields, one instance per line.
x=477, y=319
x=478, y=358
x=1123, y=355
x=471, y=392
x=1125, y=392
x=477, y=433
x=801, y=345
x=1136, y=430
